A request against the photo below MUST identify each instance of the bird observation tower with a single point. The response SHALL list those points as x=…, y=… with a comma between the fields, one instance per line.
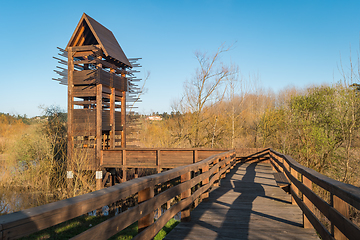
x=100, y=80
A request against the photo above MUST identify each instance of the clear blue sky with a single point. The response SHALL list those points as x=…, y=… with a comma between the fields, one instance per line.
x=285, y=42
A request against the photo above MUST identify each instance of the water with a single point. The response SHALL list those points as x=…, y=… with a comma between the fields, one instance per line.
x=16, y=199
x=105, y=211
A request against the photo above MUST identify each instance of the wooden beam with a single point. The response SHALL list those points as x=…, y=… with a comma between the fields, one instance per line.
x=22, y=223
x=185, y=213
x=307, y=202
x=70, y=146
x=343, y=208
x=85, y=48
x=147, y=220
x=347, y=192
x=217, y=181
x=83, y=54
x=123, y=120
x=205, y=195
x=158, y=160
x=112, y=117
x=79, y=34
x=98, y=123
x=294, y=173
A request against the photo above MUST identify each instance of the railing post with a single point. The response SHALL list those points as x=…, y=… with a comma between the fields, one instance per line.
x=195, y=156
x=136, y=174
x=272, y=162
x=158, y=168
x=232, y=164
x=217, y=181
x=147, y=220
x=342, y=207
x=168, y=203
x=123, y=175
x=185, y=213
x=196, y=187
x=223, y=159
x=277, y=163
x=124, y=166
x=205, y=195
x=294, y=189
x=99, y=179
x=307, y=182
x=159, y=208
x=228, y=157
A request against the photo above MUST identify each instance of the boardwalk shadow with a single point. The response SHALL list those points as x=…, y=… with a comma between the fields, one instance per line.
x=230, y=207
x=239, y=213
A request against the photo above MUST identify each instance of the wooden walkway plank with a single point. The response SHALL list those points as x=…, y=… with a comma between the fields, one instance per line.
x=247, y=205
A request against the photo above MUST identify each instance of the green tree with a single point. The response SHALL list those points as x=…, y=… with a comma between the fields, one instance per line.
x=316, y=123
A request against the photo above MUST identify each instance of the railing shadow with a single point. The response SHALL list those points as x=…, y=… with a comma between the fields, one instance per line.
x=234, y=217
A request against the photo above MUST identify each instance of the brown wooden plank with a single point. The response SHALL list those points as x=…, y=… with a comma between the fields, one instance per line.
x=342, y=223
x=123, y=119
x=98, y=123
x=202, y=154
x=185, y=213
x=83, y=54
x=38, y=218
x=141, y=157
x=307, y=183
x=346, y=192
x=110, y=157
x=84, y=132
x=247, y=205
x=176, y=158
x=319, y=227
x=281, y=180
x=84, y=113
x=112, y=119
x=85, y=77
x=343, y=208
x=158, y=225
x=83, y=48
x=84, y=91
x=119, y=83
x=148, y=219
x=117, y=223
x=70, y=106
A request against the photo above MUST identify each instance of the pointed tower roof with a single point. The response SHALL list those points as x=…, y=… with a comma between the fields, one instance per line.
x=90, y=32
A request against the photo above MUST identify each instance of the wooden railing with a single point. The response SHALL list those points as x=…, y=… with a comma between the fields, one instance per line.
x=342, y=195
x=154, y=157
x=196, y=180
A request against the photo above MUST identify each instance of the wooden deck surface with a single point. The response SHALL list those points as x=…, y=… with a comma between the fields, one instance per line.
x=247, y=205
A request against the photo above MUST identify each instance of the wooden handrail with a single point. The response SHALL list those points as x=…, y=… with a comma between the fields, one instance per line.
x=342, y=195
x=28, y=221
x=211, y=169
x=154, y=157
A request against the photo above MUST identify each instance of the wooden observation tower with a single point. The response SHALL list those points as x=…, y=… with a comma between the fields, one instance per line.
x=100, y=81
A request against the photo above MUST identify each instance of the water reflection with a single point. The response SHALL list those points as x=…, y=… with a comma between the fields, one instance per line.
x=16, y=199
x=106, y=211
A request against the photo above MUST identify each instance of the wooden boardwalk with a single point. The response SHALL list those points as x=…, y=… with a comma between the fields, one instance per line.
x=247, y=205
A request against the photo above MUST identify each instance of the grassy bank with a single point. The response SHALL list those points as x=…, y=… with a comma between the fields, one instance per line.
x=78, y=225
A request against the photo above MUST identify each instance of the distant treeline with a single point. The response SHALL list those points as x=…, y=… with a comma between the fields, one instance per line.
x=318, y=126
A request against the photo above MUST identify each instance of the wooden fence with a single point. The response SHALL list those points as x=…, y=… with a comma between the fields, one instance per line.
x=154, y=158
x=198, y=177
x=342, y=195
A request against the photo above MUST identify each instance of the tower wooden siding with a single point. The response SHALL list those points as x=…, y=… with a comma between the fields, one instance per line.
x=97, y=88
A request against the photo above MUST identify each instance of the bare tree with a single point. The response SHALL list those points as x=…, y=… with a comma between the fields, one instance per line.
x=199, y=91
